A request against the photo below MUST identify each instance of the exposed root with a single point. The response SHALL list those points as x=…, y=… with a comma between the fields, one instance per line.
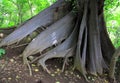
x=20, y=56
x=35, y=59
x=65, y=54
x=65, y=61
x=30, y=70
x=42, y=63
x=19, y=45
x=27, y=63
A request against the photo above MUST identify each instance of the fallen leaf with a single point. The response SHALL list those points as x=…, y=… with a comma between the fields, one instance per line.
x=36, y=70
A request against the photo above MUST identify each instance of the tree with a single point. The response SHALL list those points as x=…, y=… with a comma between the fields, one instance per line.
x=64, y=30
x=14, y=12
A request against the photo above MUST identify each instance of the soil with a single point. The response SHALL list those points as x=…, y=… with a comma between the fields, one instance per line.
x=12, y=70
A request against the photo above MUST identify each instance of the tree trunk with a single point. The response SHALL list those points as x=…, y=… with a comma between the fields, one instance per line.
x=94, y=49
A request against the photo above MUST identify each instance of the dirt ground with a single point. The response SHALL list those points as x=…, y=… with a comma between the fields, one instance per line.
x=12, y=70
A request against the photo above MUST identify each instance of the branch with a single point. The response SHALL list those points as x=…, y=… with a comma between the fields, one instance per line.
x=113, y=63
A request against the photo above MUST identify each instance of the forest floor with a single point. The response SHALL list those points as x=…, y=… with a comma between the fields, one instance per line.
x=12, y=70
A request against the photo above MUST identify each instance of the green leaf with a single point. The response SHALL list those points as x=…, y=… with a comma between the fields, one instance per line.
x=2, y=52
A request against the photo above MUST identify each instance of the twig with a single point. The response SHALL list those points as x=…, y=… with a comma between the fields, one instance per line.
x=19, y=45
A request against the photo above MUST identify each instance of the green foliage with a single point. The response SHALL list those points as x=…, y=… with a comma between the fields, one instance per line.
x=14, y=12
x=2, y=52
x=112, y=17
